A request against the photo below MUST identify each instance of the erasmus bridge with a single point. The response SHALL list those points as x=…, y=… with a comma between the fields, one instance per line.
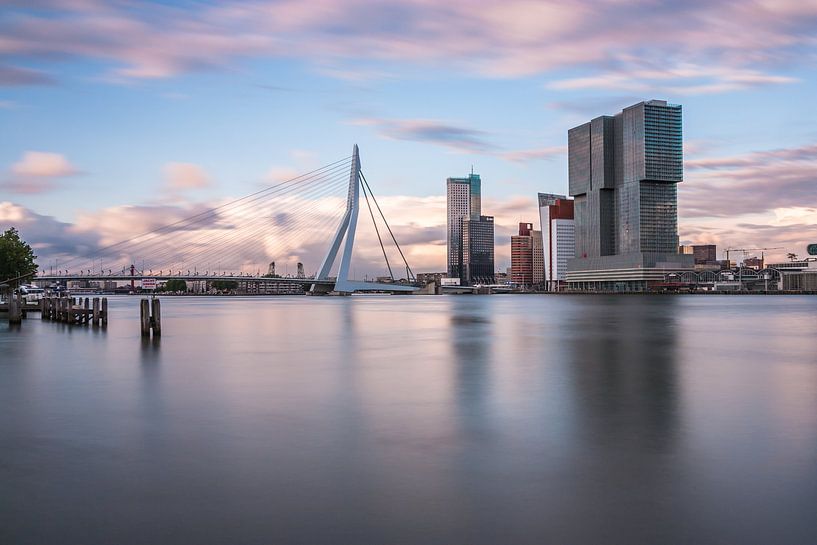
x=287, y=218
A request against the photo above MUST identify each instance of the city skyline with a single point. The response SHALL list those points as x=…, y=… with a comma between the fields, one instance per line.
x=111, y=136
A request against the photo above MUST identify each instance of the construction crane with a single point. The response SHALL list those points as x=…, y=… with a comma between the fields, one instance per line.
x=747, y=250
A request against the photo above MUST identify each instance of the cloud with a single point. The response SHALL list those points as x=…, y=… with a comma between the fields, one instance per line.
x=49, y=237
x=425, y=130
x=534, y=154
x=182, y=176
x=285, y=228
x=683, y=80
x=45, y=164
x=760, y=199
x=752, y=183
x=37, y=172
x=693, y=47
x=13, y=76
x=454, y=137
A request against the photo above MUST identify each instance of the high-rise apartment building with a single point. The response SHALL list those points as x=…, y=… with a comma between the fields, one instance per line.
x=467, y=229
x=623, y=172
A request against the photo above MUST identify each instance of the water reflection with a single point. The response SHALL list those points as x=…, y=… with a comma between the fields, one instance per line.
x=470, y=333
x=421, y=420
x=623, y=362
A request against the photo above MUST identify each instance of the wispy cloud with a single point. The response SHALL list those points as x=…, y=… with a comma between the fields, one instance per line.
x=454, y=137
x=425, y=130
x=12, y=76
x=637, y=46
x=751, y=183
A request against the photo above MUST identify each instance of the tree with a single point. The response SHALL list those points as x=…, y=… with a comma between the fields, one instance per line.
x=792, y=257
x=224, y=284
x=175, y=284
x=16, y=258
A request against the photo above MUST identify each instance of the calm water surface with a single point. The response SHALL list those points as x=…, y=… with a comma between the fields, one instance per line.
x=382, y=420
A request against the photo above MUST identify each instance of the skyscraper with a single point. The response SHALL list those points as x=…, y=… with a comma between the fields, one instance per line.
x=478, y=250
x=463, y=200
x=470, y=235
x=623, y=171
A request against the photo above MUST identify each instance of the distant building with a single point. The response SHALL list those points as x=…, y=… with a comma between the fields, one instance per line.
x=705, y=254
x=522, y=256
x=469, y=234
x=538, y=257
x=685, y=250
x=463, y=201
x=799, y=275
x=753, y=263
x=478, y=249
x=562, y=242
x=425, y=278
x=623, y=171
x=550, y=244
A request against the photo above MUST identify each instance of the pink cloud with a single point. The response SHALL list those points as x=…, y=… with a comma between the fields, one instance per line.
x=693, y=48
x=37, y=172
x=283, y=228
x=44, y=164
x=181, y=176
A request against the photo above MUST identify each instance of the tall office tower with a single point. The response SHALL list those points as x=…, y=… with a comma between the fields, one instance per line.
x=522, y=256
x=463, y=201
x=623, y=171
x=478, y=250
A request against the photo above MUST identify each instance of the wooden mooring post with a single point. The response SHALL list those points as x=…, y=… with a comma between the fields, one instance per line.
x=69, y=310
x=150, y=317
x=15, y=308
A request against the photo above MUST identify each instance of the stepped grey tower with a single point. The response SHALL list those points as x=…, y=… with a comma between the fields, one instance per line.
x=623, y=172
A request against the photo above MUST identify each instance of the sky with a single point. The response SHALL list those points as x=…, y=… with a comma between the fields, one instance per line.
x=119, y=117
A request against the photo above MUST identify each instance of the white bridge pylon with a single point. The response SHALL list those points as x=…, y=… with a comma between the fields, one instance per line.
x=346, y=229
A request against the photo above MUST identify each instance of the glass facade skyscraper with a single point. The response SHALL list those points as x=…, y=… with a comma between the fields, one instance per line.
x=469, y=234
x=623, y=172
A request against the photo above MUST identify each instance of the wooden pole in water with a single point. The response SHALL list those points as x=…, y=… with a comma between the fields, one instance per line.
x=144, y=316
x=15, y=316
x=86, y=314
x=95, y=318
x=156, y=320
x=104, y=312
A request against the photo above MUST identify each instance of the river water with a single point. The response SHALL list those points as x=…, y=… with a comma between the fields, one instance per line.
x=384, y=420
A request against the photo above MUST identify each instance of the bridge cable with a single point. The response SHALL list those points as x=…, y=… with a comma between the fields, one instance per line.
x=408, y=269
x=212, y=210
x=229, y=236
x=376, y=230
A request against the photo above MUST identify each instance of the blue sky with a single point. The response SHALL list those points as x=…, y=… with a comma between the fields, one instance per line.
x=99, y=101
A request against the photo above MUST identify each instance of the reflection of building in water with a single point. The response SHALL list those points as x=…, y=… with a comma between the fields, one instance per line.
x=623, y=360
x=471, y=344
